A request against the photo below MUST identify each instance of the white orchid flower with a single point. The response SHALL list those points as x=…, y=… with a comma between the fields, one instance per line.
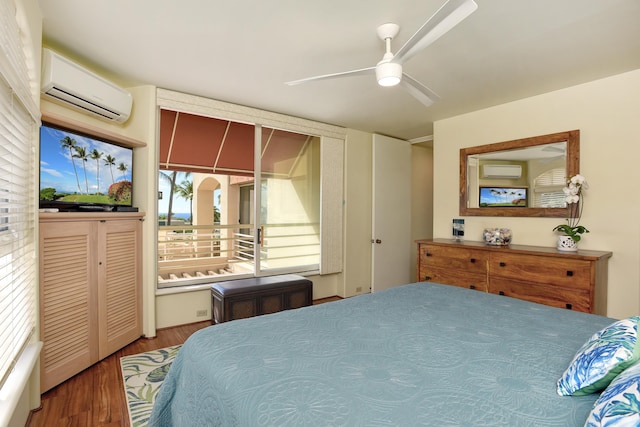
x=572, y=198
x=571, y=190
x=579, y=180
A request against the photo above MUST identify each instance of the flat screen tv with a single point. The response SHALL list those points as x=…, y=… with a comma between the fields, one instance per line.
x=497, y=197
x=81, y=172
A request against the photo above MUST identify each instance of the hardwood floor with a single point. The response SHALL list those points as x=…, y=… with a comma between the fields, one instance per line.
x=95, y=397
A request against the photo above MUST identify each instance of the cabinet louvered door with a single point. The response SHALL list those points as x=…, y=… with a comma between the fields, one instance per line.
x=90, y=296
x=68, y=295
x=120, y=308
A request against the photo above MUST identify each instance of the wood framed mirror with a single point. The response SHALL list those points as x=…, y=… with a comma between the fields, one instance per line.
x=520, y=178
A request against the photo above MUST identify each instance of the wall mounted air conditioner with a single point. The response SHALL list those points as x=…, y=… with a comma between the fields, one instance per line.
x=502, y=171
x=77, y=87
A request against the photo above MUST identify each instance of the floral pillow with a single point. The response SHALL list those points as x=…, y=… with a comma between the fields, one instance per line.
x=607, y=353
x=619, y=404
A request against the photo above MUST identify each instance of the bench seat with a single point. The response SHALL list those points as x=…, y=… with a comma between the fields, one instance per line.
x=242, y=298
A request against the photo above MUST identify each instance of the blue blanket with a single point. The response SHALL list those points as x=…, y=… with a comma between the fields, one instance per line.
x=417, y=355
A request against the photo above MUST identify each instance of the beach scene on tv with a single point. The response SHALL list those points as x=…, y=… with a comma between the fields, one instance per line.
x=77, y=169
x=503, y=197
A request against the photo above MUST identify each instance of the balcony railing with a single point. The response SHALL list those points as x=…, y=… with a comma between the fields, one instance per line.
x=189, y=254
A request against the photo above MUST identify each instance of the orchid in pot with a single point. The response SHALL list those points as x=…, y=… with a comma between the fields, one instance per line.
x=573, y=196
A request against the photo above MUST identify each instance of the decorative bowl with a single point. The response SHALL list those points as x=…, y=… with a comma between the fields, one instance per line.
x=497, y=236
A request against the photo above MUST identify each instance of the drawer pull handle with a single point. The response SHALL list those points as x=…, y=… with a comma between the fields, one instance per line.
x=569, y=306
x=502, y=264
x=473, y=260
x=428, y=253
x=472, y=286
x=427, y=277
x=569, y=273
x=501, y=293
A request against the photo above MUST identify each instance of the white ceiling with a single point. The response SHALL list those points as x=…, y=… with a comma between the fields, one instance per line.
x=243, y=51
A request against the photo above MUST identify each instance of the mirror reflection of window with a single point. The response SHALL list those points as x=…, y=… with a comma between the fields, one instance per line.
x=547, y=189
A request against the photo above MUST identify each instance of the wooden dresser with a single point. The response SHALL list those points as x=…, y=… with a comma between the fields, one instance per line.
x=572, y=280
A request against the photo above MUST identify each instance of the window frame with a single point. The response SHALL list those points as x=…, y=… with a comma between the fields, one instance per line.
x=332, y=139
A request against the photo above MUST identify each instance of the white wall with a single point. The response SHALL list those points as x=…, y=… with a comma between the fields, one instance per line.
x=357, y=214
x=421, y=199
x=606, y=112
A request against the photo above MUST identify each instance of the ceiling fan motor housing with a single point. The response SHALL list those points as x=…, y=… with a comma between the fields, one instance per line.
x=388, y=73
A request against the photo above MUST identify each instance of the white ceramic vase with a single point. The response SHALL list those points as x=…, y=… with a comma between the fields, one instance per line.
x=567, y=244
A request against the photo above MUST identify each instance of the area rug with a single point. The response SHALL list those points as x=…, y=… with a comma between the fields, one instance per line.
x=143, y=375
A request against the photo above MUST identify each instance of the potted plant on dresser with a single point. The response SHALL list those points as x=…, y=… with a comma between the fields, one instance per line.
x=570, y=233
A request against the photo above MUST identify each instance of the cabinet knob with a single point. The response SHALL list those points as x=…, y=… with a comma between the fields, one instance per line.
x=427, y=277
x=428, y=253
x=502, y=264
x=472, y=260
x=569, y=273
x=569, y=306
x=472, y=286
x=501, y=293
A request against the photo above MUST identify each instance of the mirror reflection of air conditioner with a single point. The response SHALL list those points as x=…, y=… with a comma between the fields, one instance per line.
x=502, y=171
x=74, y=86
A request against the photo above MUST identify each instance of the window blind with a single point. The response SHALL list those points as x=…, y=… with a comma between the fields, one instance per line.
x=19, y=119
x=548, y=189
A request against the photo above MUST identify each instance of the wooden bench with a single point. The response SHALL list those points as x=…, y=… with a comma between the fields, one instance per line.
x=242, y=298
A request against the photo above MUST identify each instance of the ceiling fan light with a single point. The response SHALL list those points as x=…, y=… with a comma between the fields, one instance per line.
x=389, y=81
x=388, y=73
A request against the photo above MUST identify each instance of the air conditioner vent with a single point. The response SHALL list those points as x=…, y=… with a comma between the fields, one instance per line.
x=502, y=171
x=70, y=98
x=74, y=86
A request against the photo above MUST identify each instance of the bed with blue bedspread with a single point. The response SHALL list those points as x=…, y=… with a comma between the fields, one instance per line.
x=417, y=355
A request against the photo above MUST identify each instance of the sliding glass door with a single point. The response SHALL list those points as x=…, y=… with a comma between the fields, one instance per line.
x=289, y=200
x=214, y=222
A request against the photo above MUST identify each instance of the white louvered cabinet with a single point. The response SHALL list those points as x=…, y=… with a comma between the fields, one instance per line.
x=90, y=294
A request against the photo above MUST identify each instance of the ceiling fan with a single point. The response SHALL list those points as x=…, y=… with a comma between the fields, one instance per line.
x=389, y=70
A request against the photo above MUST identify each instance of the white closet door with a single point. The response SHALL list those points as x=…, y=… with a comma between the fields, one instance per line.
x=391, y=234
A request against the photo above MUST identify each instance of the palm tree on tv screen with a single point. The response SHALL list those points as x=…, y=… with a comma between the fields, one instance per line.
x=111, y=162
x=96, y=155
x=70, y=143
x=81, y=153
x=122, y=167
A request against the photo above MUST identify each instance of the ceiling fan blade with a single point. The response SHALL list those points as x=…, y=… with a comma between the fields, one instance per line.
x=418, y=90
x=448, y=16
x=360, y=72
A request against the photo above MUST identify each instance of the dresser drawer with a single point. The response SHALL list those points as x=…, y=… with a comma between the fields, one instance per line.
x=454, y=277
x=540, y=269
x=454, y=258
x=555, y=296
